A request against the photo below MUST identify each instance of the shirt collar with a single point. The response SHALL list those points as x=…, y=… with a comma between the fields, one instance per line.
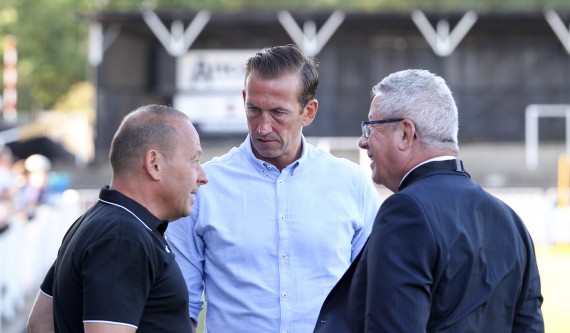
x=439, y=158
x=262, y=166
x=142, y=214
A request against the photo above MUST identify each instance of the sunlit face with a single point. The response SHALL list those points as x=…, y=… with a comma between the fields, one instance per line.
x=184, y=172
x=275, y=117
x=381, y=148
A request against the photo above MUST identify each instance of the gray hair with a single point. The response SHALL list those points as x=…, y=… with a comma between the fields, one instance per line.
x=426, y=100
x=148, y=127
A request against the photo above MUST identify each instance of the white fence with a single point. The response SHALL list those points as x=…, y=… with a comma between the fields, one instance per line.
x=547, y=223
x=28, y=248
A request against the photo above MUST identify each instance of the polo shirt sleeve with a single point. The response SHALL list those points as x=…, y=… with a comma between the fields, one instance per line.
x=117, y=276
x=47, y=285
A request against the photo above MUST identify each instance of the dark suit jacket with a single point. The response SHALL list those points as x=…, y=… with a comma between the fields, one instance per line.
x=443, y=256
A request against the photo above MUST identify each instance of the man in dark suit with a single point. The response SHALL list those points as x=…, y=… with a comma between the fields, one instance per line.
x=444, y=255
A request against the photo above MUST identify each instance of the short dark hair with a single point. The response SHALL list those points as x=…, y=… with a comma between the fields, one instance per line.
x=146, y=127
x=273, y=62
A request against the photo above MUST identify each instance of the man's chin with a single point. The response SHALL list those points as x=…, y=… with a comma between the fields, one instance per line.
x=185, y=213
x=265, y=152
x=375, y=177
x=376, y=180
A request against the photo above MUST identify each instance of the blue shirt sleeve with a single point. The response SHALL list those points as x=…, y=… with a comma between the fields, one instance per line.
x=189, y=251
x=370, y=203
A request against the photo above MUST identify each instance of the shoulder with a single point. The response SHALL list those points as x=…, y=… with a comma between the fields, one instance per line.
x=317, y=156
x=410, y=206
x=404, y=198
x=232, y=154
x=106, y=220
x=231, y=159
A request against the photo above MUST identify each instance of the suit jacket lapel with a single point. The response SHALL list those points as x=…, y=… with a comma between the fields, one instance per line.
x=333, y=314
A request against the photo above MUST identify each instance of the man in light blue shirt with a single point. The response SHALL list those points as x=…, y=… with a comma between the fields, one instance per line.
x=280, y=220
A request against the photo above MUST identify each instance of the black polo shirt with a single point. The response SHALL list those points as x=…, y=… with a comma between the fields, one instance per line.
x=114, y=266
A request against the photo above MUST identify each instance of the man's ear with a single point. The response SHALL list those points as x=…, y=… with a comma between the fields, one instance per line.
x=311, y=112
x=407, y=134
x=152, y=165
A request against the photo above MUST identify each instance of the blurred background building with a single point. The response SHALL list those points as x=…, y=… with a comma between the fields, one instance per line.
x=82, y=65
x=496, y=64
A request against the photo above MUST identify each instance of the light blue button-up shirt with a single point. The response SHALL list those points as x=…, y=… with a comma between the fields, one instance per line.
x=268, y=246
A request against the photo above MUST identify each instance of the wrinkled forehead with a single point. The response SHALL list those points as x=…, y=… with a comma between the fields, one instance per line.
x=375, y=111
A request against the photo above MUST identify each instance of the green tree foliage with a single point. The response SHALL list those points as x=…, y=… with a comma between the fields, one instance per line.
x=357, y=5
x=51, y=47
x=52, y=39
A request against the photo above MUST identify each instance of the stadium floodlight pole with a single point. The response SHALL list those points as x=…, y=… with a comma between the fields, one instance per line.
x=100, y=41
x=10, y=80
x=531, y=137
x=442, y=42
x=532, y=114
x=559, y=28
x=177, y=41
x=308, y=39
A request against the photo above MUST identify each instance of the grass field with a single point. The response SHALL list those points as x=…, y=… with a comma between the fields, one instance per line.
x=554, y=267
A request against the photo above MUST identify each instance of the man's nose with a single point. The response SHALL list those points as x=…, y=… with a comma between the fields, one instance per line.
x=202, y=177
x=363, y=142
x=264, y=126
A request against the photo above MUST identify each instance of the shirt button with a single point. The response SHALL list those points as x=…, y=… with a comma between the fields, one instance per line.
x=281, y=182
x=283, y=256
x=282, y=218
x=284, y=294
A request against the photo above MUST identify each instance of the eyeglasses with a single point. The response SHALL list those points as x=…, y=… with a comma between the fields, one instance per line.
x=366, y=125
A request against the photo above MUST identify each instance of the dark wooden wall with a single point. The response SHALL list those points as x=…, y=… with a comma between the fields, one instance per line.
x=505, y=62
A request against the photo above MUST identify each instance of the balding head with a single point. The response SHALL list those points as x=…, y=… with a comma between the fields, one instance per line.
x=148, y=127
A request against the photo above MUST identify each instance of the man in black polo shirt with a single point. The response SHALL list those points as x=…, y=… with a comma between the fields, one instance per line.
x=114, y=271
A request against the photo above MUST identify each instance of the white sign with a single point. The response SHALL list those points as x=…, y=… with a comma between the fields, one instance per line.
x=213, y=113
x=209, y=87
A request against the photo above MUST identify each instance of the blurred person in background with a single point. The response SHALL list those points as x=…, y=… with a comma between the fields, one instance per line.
x=6, y=187
x=32, y=185
x=444, y=255
x=114, y=271
x=280, y=220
